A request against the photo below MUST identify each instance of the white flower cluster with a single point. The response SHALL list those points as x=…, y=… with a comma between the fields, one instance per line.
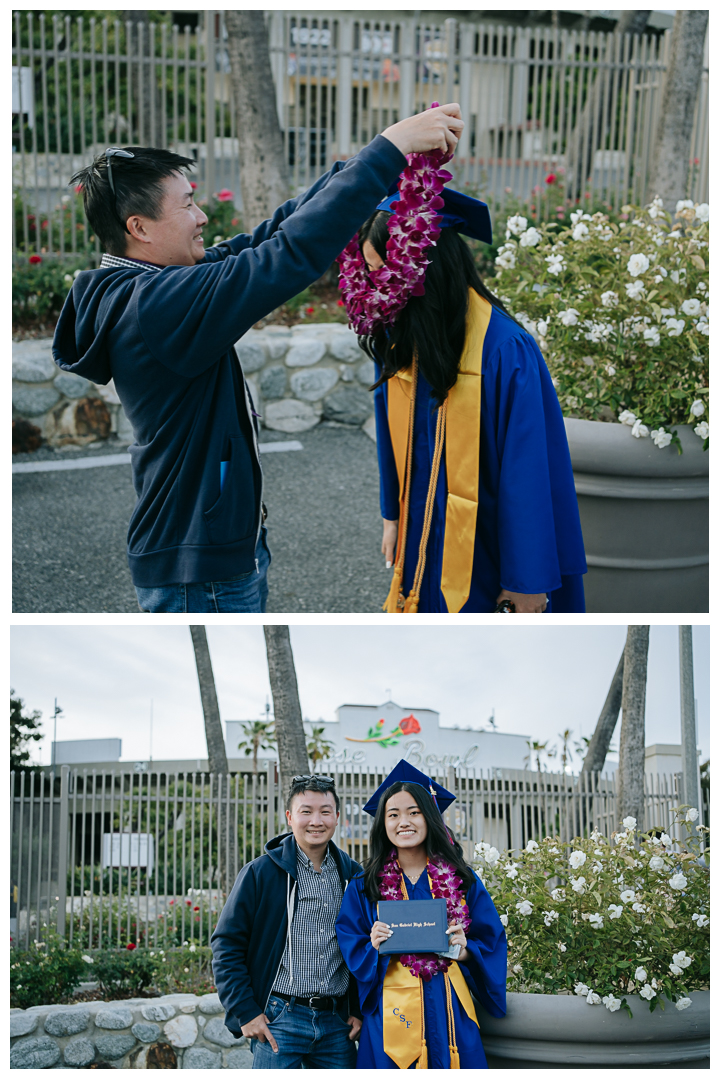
x=489, y=854
x=550, y=917
x=700, y=920
x=680, y=961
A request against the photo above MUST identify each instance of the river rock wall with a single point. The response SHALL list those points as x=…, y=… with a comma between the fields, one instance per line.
x=178, y=1031
x=298, y=376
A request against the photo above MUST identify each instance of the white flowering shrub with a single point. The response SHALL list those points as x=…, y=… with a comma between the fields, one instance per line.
x=635, y=921
x=620, y=311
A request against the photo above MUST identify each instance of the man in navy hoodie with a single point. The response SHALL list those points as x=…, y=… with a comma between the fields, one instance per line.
x=161, y=315
x=277, y=966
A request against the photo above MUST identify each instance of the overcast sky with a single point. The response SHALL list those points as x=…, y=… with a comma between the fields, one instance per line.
x=539, y=681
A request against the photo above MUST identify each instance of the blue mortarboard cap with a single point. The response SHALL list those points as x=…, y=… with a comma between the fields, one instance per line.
x=406, y=773
x=471, y=216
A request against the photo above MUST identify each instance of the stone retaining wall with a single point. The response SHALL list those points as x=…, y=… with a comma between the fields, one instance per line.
x=298, y=376
x=179, y=1031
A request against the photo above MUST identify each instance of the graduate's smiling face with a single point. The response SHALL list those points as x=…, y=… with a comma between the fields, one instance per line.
x=404, y=821
x=313, y=818
x=371, y=257
x=175, y=238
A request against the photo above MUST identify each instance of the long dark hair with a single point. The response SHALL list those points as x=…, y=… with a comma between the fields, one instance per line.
x=434, y=324
x=438, y=844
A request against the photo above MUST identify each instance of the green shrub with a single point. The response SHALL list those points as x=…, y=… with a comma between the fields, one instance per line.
x=604, y=919
x=128, y=970
x=45, y=974
x=186, y=970
x=40, y=289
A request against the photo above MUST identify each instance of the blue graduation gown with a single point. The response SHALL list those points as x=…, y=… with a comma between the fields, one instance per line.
x=528, y=537
x=484, y=972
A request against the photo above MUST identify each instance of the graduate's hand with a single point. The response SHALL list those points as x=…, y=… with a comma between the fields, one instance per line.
x=258, y=1029
x=457, y=937
x=525, y=602
x=380, y=932
x=433, y=129
x=389, y=541
x=355, y=1026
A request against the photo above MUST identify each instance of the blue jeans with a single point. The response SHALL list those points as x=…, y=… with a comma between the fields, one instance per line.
x=306, y=1038
x=248, y=592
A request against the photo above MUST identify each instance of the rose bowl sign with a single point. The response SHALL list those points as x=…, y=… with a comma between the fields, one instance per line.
x=378, y=736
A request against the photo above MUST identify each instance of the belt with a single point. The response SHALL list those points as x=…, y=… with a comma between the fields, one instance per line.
x=318, y=1003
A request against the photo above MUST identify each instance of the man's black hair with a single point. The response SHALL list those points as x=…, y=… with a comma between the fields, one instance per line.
x=301, y=786
x=138, y=190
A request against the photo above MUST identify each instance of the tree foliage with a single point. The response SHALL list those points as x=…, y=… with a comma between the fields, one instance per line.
x=24, y=730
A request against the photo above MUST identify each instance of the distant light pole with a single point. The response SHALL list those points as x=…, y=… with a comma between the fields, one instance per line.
x=688, y=722
x=56, y=712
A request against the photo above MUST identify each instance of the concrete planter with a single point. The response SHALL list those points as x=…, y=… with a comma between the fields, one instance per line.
x=545, y=1030
x=644, y=515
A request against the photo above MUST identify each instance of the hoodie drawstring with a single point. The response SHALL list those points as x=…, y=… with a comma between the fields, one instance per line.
x=290, y=893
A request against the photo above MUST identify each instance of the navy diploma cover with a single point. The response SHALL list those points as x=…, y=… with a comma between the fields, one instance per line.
x=418, y=926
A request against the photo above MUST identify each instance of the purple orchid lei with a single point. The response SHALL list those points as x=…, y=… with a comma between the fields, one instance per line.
x=375, y=298
x=445, y=883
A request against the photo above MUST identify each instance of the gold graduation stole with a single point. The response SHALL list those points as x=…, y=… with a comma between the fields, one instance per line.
x=404, y=1017
x=458, y=433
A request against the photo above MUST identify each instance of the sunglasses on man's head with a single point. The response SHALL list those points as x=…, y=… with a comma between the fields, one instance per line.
x=110, y=153
x=328, y=781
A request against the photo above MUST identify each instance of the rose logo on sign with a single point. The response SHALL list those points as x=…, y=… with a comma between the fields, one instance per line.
x=408, y=726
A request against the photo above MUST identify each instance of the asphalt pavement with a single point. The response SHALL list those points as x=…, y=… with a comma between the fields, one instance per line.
x=324, y=529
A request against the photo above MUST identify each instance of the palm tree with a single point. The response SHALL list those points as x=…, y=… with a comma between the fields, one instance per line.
x=631, y=769
x=565, y=751
x=289, y=731
x=598, y=746
x=264, y=177
x=536, y=748
x=318, y=748
x=260, y=735
x=217, y=757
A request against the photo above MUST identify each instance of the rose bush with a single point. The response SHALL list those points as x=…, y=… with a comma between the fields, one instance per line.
x=620, y=311
x=606, y=918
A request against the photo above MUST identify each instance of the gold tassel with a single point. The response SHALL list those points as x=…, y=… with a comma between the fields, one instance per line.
x=454, y=1052
x=422, y=1061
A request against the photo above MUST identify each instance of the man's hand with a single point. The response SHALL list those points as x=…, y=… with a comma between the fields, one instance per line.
x=258, y=1029
x=389, y=541
x=434, y=129
x=525, y=602
x=355, y=1026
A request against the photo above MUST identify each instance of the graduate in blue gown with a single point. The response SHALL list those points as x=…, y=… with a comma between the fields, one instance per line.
x=527, y=542
x=408, y=826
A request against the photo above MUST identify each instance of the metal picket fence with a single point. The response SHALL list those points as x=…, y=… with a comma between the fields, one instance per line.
x=530, y=97
x=115, y=856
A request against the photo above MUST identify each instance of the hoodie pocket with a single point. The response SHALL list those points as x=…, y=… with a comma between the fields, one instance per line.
x=234, y=516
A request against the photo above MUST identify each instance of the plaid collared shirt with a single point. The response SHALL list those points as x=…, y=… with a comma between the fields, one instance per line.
x=317, y=964
x=118, y=260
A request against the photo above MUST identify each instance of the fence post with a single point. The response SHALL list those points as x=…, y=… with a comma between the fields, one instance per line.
x=63, y=850
x=407, y=69
x=210, y=103
x=344, y=86
x=450, y=33
x=270, y=769
x=688, y=723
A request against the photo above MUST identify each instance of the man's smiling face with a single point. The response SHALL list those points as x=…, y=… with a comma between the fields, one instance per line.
x=313, y=817
x=175, y=239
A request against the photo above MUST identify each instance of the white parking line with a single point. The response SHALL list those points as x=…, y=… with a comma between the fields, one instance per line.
x=121, y=459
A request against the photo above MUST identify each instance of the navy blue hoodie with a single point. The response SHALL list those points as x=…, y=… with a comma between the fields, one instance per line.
x=249, y=939
x=166, y=338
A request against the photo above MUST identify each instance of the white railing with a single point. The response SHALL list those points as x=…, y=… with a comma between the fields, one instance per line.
x=536, y=100
x=108, y=857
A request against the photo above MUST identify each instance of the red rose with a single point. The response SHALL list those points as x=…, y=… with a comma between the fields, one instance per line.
x=235, y=221
x=196, y=909
x=193, y=185
x=78, y=188
x=310, y=311
x=130, y=946
x=550, y=178
x=341, y=303
x=225, y=195
x=34, y=259
x=410, y=726
x=380, y=723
